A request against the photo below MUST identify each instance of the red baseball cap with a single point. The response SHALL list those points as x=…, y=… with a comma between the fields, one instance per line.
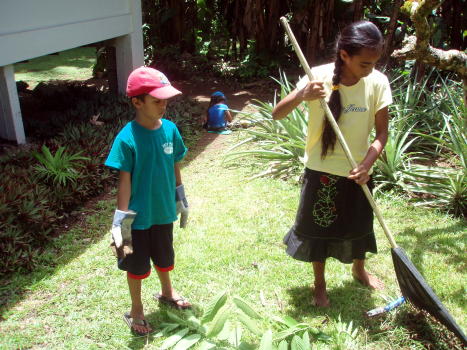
x=146, y=80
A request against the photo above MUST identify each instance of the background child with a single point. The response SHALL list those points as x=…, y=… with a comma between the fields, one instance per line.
x=334, y=218
x=218, y=114
x=146, y=152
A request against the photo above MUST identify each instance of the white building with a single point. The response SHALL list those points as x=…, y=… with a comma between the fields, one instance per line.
x=32, y=28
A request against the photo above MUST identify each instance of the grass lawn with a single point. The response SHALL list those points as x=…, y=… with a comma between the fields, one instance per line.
x=74, y=64
x=233, y=242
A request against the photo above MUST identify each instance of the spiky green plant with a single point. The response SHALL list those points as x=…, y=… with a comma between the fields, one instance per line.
x=450, y=141
x=60, y=168
x=395, y=158
x=278, y=145
x=439, y=187
x=443, y=184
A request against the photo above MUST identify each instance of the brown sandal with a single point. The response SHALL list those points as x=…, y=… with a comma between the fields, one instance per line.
x=131, y=322
x=174, y=302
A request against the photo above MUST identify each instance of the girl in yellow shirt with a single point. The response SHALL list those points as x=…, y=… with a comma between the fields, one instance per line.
x=334, y=218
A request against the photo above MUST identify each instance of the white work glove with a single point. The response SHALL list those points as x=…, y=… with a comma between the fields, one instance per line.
x=182, y=205
x=121, y=233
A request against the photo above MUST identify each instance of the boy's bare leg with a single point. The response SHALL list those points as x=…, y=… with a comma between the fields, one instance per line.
x=367, y=279
x=167, y=290
x=136, y=304
x=320, y=297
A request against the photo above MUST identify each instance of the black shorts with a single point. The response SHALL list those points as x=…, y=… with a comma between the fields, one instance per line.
x=156, y=244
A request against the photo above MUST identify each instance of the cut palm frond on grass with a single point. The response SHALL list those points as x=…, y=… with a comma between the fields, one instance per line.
x=412, y=284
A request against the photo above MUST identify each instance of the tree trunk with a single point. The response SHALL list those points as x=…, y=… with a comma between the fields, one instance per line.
x=388, y=45
x=189, y=21
x=357, y=10
x=418, y=47
x=314, y=19
x=174, y=26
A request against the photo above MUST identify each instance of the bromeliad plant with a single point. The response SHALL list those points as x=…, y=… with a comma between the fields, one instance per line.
x=395, y=158
x=60, y=168
x=223, y=326
x=439, y=187
x=443, y=184
x=278, y=145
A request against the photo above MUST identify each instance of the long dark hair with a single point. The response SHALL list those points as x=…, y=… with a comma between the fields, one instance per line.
x=354, y=37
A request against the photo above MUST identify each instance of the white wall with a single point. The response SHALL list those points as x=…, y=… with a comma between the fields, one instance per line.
x=33, y=28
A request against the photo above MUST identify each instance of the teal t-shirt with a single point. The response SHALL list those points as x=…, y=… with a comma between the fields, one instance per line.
x=149, y=155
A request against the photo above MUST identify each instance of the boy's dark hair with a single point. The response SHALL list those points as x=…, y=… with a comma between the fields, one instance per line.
x=354, y=37
x=139, y=97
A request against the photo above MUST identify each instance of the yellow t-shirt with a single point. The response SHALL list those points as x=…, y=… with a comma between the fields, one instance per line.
x=360, y=102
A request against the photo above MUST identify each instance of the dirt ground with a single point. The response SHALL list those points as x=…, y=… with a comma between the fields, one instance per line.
x=238, y=98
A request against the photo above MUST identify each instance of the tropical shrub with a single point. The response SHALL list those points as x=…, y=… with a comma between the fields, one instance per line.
x=439, y=187
x=395, y=159
x=440, y=182
x=58, y=169
x=277, y=145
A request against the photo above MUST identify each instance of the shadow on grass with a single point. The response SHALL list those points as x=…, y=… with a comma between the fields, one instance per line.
x=449, y=241
x=349, y=302
x=78, y=236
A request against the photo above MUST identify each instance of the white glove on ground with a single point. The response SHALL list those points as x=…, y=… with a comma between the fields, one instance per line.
x=182, y=205
x=121, y=233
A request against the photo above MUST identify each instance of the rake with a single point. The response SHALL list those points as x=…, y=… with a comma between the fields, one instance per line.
x=412, y=284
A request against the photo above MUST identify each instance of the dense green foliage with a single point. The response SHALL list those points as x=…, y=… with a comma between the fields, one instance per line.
x=243, y=39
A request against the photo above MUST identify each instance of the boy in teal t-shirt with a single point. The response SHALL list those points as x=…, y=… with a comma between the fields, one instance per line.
x=146, y=152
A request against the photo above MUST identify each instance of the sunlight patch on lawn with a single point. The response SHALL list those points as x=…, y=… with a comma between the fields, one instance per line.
x=74, y=64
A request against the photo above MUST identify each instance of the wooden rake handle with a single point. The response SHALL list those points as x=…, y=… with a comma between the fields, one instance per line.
x=336, y=129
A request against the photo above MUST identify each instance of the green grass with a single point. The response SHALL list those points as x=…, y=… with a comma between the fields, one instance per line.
x=74, y=64
x=233, y=242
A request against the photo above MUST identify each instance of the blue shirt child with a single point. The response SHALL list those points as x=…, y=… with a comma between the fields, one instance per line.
x=216, y=116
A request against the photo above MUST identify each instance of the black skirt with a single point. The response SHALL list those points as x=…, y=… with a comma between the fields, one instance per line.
x=334, y=219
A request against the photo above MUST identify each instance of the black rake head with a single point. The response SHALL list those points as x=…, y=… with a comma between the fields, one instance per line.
x=415, y=289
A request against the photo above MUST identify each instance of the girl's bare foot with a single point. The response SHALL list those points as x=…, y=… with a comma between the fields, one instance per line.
x=320, y=297
x=367, y=279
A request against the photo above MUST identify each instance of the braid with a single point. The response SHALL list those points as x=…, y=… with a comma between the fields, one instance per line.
x=329, y=137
